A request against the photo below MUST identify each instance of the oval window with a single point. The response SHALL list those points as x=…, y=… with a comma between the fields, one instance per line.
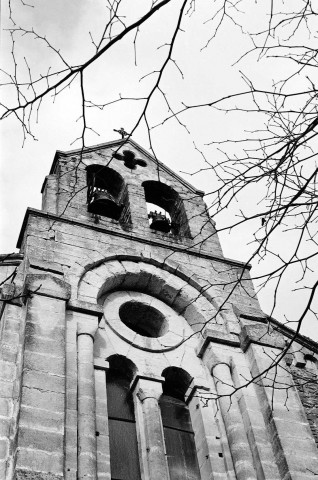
x=143, y=319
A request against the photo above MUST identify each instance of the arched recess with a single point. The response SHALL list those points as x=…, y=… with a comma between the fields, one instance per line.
x=167, y=199
x=140, y=276
x=177, y=425
x=107, y=193
x=123, y=446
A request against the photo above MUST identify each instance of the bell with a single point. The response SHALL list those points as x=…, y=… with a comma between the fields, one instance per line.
x=159, y=222
x=103, y=203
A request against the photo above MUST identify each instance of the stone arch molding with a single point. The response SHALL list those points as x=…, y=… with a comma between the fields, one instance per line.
x=160, y=340
x=176, y=287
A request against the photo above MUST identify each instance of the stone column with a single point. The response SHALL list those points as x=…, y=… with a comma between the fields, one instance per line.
x=148, y=391
x=233, y=421
x=102, y=432
x=41, y=428
x=87, y=465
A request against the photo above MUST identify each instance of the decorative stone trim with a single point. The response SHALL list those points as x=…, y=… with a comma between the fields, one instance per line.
x=190, y=250
x=168, y=341
x=50, y=267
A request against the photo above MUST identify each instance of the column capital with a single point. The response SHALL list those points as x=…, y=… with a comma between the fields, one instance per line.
x=147, y=387
x=219, y=363
x=196, y=389
x=101, y=364
x=213, y=355
x=46, y=285
x=147, y=391
x=211, y=336
x=85, y=308
x=86, y=324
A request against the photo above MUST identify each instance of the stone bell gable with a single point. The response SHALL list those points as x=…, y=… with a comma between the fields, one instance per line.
x=132, y=349
x=130, y=175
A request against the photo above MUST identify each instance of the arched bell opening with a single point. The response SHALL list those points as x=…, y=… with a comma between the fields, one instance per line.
x=177, y=426
x=159, y=219
x=166, y=212
x=106, y=193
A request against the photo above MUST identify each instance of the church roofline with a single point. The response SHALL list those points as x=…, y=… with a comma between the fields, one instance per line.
x=119, y=143
x=290, y=333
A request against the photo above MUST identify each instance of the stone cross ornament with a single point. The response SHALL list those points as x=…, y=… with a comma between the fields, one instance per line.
x=129, y=159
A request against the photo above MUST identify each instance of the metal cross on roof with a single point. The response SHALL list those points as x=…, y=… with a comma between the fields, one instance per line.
x=122, y=132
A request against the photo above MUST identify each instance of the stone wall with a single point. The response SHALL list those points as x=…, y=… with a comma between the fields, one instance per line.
x=306, y=382
x=55, y=341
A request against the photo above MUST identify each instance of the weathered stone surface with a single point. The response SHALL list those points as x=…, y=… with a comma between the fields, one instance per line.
x=262, y=335
x=54, y=350
x=47, y=285
x=306, y=382
x=7, y=291
x=31, y=475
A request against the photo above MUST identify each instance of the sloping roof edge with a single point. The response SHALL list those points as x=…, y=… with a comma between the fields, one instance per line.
x=290, y=333
x=119, y=143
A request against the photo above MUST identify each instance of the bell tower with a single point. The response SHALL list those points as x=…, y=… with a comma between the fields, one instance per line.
x=112, y=185
x=132, y=349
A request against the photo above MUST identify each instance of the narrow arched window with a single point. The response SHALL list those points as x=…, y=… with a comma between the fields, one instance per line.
x=178, y=432
x=124, y=458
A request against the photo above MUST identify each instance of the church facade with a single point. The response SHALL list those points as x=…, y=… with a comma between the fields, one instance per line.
x=132, y=349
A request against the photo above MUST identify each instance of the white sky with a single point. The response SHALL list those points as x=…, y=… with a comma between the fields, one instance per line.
x=208, y=74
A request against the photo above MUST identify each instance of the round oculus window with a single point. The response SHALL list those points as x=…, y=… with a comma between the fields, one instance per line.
x=143, y=319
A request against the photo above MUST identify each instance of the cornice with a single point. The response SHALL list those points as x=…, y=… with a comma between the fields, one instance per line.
x=129, y=236
x=289, y=333
x=11, y=258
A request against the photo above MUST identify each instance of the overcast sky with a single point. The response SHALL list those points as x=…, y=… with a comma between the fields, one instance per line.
x=207, y=74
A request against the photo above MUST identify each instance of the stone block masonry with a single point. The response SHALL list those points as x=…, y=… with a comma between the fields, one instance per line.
x=84, y=283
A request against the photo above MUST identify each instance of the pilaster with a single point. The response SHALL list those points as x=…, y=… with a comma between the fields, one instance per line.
x=41, y=430
x=137, y=205
x=293, y=444
x=236, y=434
x=213, y=456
